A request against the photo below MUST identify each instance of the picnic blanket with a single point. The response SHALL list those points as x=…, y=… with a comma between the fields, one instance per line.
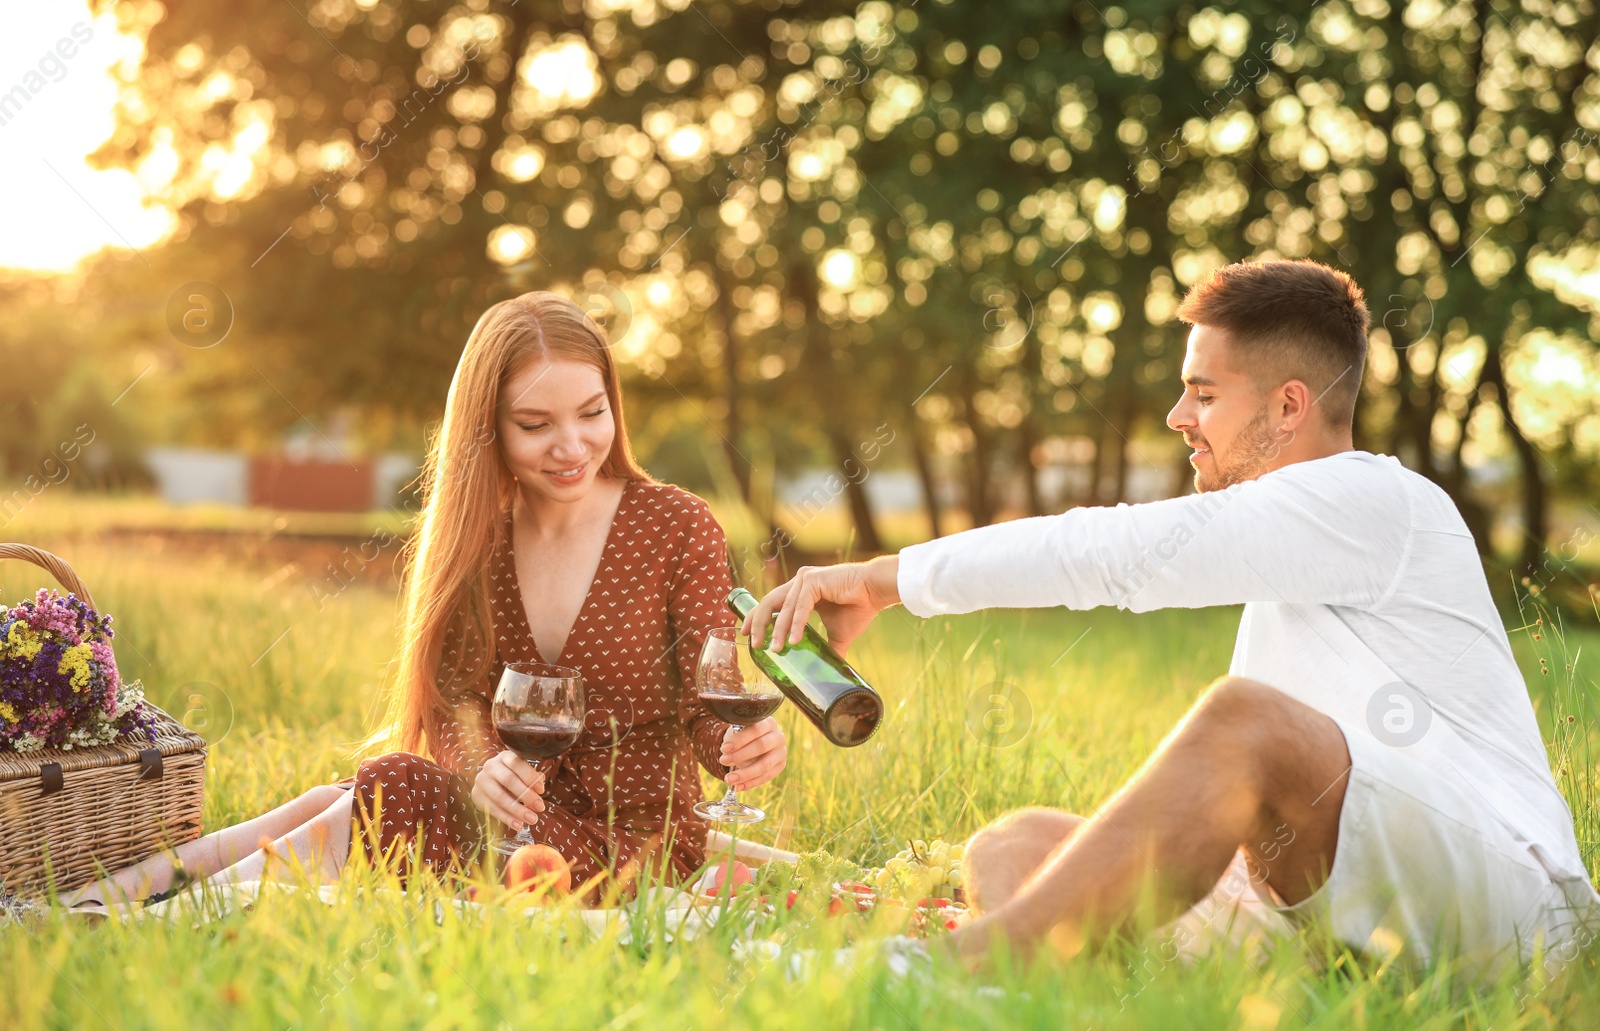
x=685, y=918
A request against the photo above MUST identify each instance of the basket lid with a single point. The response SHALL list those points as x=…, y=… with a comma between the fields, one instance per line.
x=172, y=738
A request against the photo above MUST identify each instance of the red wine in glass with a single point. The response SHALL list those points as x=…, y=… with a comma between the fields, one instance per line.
x=538, y=739
x=734, y=689
x=740, y=709
x=538, y=712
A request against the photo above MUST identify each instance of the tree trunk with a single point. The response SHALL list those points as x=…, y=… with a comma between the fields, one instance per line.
x=823, y=384
x=1435, y=396
x=1535, y=516
x=1411, y=435
x=1097, y=463
x=1029, y=440
x=854, y=472
x=1358, y=436
x=1473, y=513
x=930, y=484
x=1127, y=411
x=1183, y=481
x=732, y=429
x=979, y=461
x=1029, y=435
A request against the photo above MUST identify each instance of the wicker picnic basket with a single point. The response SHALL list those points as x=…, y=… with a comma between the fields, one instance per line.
x=65, y=815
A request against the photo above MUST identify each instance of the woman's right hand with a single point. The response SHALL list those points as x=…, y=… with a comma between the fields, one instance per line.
x=509, y=788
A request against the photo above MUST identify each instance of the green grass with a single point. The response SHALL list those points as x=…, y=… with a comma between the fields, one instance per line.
x=56, y=511
x=284, y=689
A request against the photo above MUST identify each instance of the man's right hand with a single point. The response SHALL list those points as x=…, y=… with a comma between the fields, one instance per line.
x=846, y=596
x=509, y=788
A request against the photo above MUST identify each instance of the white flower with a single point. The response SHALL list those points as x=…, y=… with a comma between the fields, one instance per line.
x=129, y=697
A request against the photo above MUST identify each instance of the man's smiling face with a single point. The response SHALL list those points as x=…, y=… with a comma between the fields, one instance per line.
x=1222, y=414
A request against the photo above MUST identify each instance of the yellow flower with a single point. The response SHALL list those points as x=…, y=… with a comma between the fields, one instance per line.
x=8, y=712
x=23, y=641
x=75, y=660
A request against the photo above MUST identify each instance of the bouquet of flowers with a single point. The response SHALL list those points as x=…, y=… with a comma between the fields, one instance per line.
x=59, y=686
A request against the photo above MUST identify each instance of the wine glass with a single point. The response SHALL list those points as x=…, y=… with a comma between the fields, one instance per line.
x=537, y=712
x=735, y=690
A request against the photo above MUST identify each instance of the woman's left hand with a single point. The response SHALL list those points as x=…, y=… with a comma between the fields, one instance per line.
x=759, y=752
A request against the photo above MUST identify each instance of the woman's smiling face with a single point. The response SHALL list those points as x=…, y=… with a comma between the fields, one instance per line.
x=556, y=427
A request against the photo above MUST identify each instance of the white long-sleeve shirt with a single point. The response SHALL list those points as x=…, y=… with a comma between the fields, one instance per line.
x=1364, y=597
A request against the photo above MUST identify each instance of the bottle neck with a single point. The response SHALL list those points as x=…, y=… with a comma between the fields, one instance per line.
x=741, y=601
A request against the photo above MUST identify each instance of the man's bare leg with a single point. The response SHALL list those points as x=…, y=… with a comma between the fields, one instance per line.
x=1248, y=765
x=206, y=855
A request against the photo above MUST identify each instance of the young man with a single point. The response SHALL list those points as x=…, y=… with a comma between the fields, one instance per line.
x=1372, y=751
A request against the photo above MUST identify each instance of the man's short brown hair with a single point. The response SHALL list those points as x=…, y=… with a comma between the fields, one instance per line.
x=1289, y=320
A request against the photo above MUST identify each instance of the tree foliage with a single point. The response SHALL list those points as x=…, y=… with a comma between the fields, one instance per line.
x=804, y=220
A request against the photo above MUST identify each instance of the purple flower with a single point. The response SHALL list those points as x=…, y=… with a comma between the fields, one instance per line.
x=53, y=693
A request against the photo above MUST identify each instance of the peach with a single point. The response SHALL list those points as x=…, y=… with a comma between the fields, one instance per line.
x=538, y=868
x=736, y=870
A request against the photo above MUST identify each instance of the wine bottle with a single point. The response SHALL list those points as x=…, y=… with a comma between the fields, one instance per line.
x=833, y=696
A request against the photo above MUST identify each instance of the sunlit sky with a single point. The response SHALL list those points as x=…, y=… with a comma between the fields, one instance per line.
x=56, y=209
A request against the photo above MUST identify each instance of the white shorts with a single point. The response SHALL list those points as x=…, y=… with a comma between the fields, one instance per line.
x=1421, y=872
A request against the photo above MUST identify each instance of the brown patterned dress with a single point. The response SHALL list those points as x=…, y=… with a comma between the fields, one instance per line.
x=660, y=586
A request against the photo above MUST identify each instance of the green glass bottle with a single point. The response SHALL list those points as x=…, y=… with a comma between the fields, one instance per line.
x=833, y=696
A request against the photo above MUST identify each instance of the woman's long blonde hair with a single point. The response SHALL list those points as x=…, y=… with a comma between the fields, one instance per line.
x=467, y=489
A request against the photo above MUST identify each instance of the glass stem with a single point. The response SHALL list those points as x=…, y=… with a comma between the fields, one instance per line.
x=525, y=835
x=732, y=797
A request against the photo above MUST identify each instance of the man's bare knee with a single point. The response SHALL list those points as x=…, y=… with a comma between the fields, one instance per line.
x=1234, y=699
x=1026, y=824
x=1286, y=761
x=1245, y=724
x=1257, y=720
x=1003, y=855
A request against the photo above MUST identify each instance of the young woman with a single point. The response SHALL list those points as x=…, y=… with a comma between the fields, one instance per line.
x=542, y=540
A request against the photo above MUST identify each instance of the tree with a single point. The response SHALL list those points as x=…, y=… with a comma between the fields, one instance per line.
x=806, y=221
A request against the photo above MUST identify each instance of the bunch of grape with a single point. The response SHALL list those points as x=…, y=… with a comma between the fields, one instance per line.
x=926, y=869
